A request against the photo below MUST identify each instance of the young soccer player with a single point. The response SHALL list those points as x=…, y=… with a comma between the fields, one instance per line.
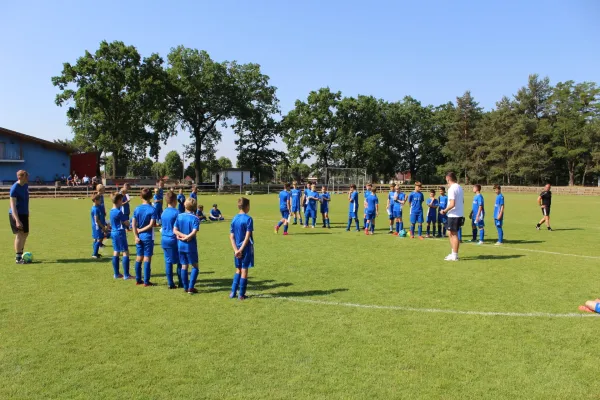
x=215, y=214
x=186, y=228
x=242, y=242
x=181, y=201
x=305, y=198
x=200, y=213
x=125, y=208
x=398, y=202
x=545, y=201
x=312, y=198
x=296, y=198
x=194, y=194
x=477, y=215
x=372, y=211
x=442, y=217
x=415, y=199
x=591, y=306
x=99, y=226
x=353, y=212
x=284, y=208
x=169, y=239
x=432, y=206
x=144, y=220
x=119, y=222
x=389, y=207
x=325, y=198
x=367, y=194
x=499, y=214
x=157, y=204
x=100, y=189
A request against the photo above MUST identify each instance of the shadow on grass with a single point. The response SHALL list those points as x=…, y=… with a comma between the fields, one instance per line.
x=567, y=229
x=307, y=293
x=492, y=257
x=80, y=260
x=162, y=274
x=224, y=285
x=517, y=241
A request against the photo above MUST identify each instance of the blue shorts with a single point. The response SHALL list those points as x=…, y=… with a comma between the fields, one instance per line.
x=498, y=223
x=391, y=213
x=479, y=224
x=352, y=214
x=371, y=216
x=295, y=208
x=310, y=214
x=285, y=214
x=97, y=234
x=119, y=241
x=397, y=213
x=324, y=209
x=442, y=218
x=597, y=308
x=416, y=218
x=159, y=210
x=247, y=260
x=431, y=219
x=169, y=247
x=145, y=248
x=188, y=257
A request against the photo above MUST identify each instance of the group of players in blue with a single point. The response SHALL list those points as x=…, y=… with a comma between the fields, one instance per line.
x=179, y=224
x=291, y=201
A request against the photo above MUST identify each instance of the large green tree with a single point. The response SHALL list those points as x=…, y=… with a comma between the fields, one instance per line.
x=173, y=165
x=202, y=93
x=108, y=102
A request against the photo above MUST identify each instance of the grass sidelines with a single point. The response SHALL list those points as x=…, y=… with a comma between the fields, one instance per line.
x=70, y=331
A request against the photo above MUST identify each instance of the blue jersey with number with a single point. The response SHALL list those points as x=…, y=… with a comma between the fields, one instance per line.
x=416, y=200
x=295, y=194
x=478, y=202
x=432, y=212
x=168, y=218
x=240, y=225
x=353, y=202
x=372, y=201
x=144, y=215
x=284, y=197
x=180, y=203
x=116, y=220
x=498, y=206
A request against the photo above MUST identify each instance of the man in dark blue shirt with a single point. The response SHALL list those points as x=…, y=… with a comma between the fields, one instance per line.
x=18, y=214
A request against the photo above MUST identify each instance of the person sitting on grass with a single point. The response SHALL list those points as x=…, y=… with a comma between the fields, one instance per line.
x=215, y=214
x=591, y=306
x=200, y=214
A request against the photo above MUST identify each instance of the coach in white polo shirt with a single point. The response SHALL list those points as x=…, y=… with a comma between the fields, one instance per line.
x=455, y=212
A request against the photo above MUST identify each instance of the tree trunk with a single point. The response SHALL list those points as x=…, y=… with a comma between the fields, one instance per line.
x=197, y=155
x=585, y=169
x=114, y=167
x=571, y=166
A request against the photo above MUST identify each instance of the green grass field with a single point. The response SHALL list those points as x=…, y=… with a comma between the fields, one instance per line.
x=333, y=314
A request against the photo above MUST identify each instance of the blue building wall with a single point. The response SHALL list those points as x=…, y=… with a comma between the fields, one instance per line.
x=37, y=160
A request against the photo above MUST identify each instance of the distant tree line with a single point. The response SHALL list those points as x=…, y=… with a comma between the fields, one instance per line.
x=128, y=106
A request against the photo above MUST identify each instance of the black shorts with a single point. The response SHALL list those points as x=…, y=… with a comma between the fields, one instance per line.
x=546, y=211
x=24, y=221
x=454, y=223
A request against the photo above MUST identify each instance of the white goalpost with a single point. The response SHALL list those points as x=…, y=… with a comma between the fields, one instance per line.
x=340, y=179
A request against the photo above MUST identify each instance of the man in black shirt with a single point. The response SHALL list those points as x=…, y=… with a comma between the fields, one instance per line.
x=545, y=201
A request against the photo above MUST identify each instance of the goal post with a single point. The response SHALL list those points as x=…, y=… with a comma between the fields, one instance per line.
x=340, y=179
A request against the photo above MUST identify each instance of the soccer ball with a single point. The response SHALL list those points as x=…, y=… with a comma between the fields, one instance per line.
x=402, y=233
x=27, y=257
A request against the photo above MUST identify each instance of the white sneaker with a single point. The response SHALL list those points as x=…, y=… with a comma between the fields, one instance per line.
x=498, y=244
x=451, y=257
x=480, y=242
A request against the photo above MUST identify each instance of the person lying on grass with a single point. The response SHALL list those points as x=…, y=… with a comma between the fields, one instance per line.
x=591, y=306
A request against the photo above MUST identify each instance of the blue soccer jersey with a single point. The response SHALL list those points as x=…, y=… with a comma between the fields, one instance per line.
x=144, y=215
x=284, y=198
x=295, y=195
x=180, y=203
x=325, y=199
x=116, y=220
x=169, y=216
x=126, y=208
x=306, y=195
x=185, y=224
x=415, y=199
x=240, y=225
x=102, y=206
x=478, y=202
x=194, y=196
x=97, y=213
x=372, y=202
x=353, y=203
x=498, y=206
x=215, y=212
x=391, y=196
x=397, y=203
x=443, y=202
x=312, y=200
x=160, y=194
x=21, y=193
x=432, y=212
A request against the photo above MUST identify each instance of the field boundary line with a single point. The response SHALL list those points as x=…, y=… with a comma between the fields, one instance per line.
x=432, y=310
x=536, y=251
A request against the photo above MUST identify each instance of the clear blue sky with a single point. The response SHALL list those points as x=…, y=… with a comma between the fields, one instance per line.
x=431, y=50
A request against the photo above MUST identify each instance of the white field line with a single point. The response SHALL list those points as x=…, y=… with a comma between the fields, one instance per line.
x=434, y=310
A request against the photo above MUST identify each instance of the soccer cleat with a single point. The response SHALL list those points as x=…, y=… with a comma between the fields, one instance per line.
x=537, y=227
x=149, y=284
x=172, y=287
x=97, y=256
x=366, y=232
x=139, y=283
x=244, y=297
x=305, y=226
x=285, y=233
x=19, y=261
x=295, y=223
x=550, y=229
x=412, y=236
x=347, y=230
x=420, y=237
x=127, y=278
x=498, y=244
x=276, y=229
x=232, y=295
x=192, y=291
x=118, y=276
x=390, y=232
x=312, y=227
x=480, y=242
x=451, y=257
x=395, y=233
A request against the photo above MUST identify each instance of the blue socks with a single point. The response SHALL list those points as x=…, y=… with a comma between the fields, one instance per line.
x=349, y=224
x=115, y=264
x=279, y=224
x=126, y=266
x=146, y=272
x=397, y=227
x=235, y=284
x=367, y=225
x=193, y=277
x=95, y=248
x=412, y=229
x=357, y=224
x=243, y=285
x=184, y=277
x=179, y=278
x=138, y=271
x=169, y=274
x=500, y=234
x=474, y=234
x=481, y=235
x=285, y=228
x=460, y=234
x=420, y=230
